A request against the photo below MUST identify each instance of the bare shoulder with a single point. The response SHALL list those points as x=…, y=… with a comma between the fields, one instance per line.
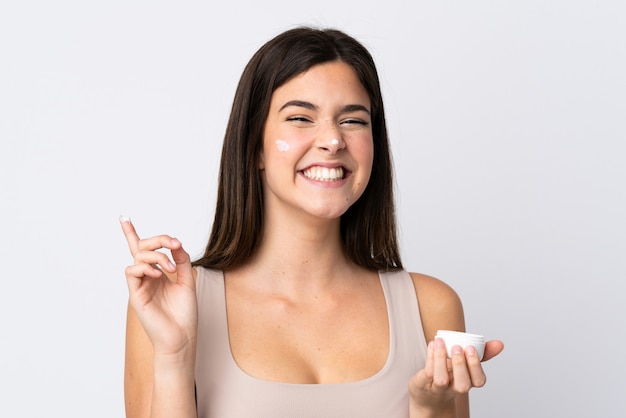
x=440, y=306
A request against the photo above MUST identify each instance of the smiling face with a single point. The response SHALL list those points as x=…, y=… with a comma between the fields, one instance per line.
x=317, y=145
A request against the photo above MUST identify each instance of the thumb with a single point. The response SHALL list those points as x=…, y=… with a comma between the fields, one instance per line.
x=184, y=271
x=492, y=349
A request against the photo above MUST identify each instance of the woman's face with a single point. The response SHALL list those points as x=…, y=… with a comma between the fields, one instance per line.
x=317, y=146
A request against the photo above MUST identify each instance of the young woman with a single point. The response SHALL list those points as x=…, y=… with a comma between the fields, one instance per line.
x=299, y=306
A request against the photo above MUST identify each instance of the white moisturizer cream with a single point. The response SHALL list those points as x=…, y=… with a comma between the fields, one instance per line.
x=282, y=145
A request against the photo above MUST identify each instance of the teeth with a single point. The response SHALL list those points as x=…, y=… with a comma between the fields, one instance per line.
x=323, y=173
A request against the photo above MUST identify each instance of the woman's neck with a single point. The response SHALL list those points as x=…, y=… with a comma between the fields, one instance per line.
x=300, y=255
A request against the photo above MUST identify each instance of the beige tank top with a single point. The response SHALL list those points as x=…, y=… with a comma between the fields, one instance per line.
x=225, y=391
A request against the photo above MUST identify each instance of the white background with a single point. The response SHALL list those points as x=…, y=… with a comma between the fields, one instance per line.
x=507, y=122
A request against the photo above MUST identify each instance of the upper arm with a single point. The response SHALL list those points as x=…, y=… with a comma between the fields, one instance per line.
x=439, y=305
x=138, y=374
x=440, y=308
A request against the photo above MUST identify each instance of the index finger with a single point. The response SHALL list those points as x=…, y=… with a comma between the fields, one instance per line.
x=129, y=232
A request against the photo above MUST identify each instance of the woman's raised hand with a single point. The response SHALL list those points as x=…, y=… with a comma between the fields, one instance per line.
x=162, y=291
x=435, y=387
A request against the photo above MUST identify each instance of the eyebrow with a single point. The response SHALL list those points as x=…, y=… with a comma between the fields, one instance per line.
x=308, y=105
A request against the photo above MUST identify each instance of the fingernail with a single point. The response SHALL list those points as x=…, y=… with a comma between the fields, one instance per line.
x=439, y=343
x=457, y=349
x=124, y=219
x=175, y=241
x=171, y=266
x=470, y=350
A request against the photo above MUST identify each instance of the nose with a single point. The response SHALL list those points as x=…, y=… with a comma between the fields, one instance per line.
x=329, y=137
x=332, y=145
x=331, y=141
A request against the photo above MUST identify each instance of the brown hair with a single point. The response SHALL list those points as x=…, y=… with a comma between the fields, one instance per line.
x=368, y=228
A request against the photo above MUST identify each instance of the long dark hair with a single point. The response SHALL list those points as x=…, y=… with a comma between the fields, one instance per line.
x=368, y=228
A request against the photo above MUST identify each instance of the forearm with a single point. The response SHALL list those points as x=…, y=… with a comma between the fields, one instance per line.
x=173, y=393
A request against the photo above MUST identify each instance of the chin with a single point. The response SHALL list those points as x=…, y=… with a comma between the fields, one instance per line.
x=329, y=213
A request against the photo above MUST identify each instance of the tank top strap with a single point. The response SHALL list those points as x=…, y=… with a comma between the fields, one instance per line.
x=404, y=316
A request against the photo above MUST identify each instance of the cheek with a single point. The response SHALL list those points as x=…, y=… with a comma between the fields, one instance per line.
x=277, y=148
x=363, y=150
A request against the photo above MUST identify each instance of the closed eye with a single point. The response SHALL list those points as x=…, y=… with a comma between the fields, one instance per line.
x=353, y=121
x=298, y=119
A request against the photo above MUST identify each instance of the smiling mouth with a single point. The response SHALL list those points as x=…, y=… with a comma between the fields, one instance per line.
x=324, y=173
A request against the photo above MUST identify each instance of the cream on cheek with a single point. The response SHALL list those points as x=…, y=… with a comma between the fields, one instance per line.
x=282, y=145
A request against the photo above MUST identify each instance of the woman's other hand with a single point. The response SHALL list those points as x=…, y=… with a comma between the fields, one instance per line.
x=434, y=389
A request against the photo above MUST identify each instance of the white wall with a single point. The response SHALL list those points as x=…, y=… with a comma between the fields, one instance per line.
x=507, y=126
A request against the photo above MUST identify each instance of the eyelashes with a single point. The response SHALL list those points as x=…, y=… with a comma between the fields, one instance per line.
x=298, y=119
x=305, y=120
x=356, y=121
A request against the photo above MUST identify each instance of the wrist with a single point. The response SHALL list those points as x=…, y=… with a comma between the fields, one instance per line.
x=184, y=351
x=180, y=362
x=173, y=391
x=442, y=411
